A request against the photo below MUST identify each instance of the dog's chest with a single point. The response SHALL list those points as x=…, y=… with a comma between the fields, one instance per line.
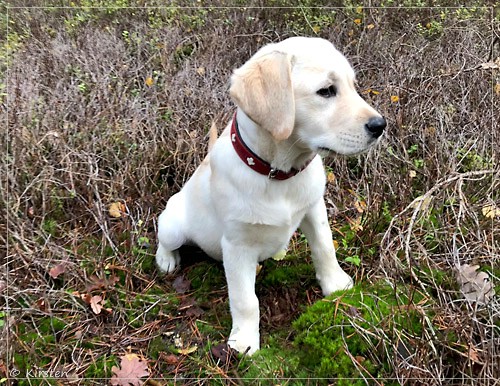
x=280, y=206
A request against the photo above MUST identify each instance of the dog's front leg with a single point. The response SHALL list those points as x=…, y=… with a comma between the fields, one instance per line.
x=319, y=235
x=240, y=268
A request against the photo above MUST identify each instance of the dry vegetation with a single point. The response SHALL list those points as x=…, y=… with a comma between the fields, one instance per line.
x=112, y=105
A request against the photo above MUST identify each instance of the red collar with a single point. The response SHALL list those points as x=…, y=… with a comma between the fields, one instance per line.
x=254, y=162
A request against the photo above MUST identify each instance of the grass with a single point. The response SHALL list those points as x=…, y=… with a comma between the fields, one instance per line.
x=108, y=103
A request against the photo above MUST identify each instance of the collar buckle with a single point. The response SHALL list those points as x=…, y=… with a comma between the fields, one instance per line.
x=273, y=172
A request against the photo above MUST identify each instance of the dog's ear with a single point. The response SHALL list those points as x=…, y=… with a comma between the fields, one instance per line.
x=262, y=87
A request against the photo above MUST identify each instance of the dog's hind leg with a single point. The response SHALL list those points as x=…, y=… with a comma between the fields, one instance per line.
x=170, y=234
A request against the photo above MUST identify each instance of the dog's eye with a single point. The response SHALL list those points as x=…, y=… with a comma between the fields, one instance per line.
x=327, y=92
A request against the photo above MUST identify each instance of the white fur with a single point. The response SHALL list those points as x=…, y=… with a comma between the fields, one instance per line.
x=241, y=217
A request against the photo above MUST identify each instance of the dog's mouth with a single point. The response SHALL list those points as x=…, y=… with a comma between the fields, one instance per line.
x=325, y=151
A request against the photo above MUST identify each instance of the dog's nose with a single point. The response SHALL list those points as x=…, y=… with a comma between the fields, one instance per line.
x=376, y=126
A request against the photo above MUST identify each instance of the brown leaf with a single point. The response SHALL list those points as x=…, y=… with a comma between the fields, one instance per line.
x=354, y=312
x=85, y=297
x=223, y=353
x=98, y=283
x=360, y=206
x=474, y=285
x=131, y=370
x=359, y=359
x=194, y=312
x=474, y=355
x=117, y=209
x=181, y=284
x=171, y=359
x=95, y=304
x=57, y=270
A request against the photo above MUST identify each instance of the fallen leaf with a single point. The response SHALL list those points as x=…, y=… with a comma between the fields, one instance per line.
x=497, y=88
x=57, y=270
x=194, y=312
x=370, y=26
x=490, y=211
x=355, y=224
x=200, y=71
x=117, y=209
x=360, y=206
x=412, y=173
x=171, y=359
x=130, y=372
x=85, y=297
x=359, y=359
x=394, y=98
x=181, y=284
x=190, y=307
x=354, y=312
x=223, y=353
x=95, y=304
x=330, y=177
x=149, y=81
x=357, y=21
x=475, y=285
x=473, y=355
x=187, y=351
x=98, y=283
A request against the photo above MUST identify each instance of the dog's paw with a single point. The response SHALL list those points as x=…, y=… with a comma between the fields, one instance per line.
x=339, y=282
x=244, y=342
x=167, y=260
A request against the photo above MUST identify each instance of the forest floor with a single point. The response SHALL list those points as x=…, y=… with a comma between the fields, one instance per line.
x=108, y=104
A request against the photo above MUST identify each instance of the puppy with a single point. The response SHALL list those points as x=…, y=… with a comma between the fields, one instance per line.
x=264, y=177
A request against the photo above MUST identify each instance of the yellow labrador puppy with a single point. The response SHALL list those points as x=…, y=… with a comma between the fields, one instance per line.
x=264, y=176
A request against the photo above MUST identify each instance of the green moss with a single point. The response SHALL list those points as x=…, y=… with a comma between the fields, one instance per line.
x=273, y=361
x=342, y=337
x=156, y=346
x=276, y=273
x=101, y=368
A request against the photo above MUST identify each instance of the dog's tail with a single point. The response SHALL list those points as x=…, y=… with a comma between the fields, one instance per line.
x=212, y=135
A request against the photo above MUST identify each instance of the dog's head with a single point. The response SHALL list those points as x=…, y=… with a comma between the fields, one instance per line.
x=304, y=88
